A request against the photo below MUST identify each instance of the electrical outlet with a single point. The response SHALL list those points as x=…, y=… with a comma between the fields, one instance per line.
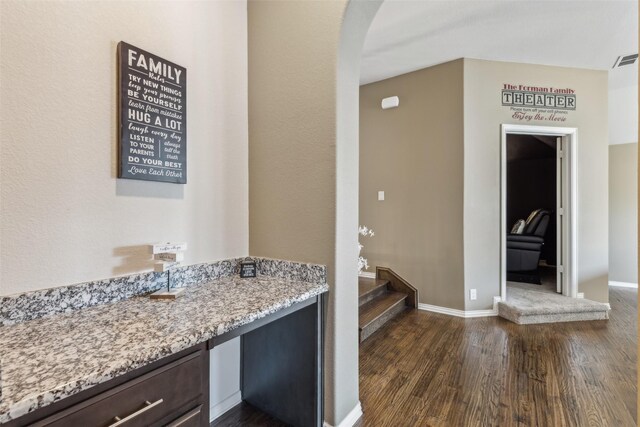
x=381, y=195
x=580, y=295
x=473, y=295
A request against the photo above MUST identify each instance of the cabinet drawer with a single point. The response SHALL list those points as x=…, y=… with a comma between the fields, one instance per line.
x=192, y=418
x=142, y=401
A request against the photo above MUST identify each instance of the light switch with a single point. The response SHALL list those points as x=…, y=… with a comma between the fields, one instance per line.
x=380, y=195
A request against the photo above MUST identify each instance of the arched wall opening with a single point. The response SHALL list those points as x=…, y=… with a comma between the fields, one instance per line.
x=304, y=69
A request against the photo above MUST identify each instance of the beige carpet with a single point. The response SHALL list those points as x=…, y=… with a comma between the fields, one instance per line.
x=547, y=280
x=549, y=288
x=526, y=306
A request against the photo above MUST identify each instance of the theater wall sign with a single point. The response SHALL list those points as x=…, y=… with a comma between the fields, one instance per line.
x=539, y=103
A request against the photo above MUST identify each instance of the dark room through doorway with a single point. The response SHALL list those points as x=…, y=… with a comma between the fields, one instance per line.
x=531, y=200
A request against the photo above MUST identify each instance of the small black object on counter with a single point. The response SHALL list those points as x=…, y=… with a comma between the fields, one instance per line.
x=248, y=269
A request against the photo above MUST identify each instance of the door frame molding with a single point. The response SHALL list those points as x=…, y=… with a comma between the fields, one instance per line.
x=571, y=236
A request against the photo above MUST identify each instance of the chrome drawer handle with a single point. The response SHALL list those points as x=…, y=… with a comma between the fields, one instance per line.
x=149, y=405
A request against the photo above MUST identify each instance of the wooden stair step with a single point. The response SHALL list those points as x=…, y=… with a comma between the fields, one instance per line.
x=369, y=288
x=374, y=309
x=378, y=311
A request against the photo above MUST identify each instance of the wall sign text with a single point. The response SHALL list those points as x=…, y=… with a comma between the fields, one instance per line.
x=538, y=102
x=152, y=117
x=248, y=269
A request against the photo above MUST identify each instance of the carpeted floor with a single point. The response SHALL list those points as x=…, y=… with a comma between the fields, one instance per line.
x=526, y=306
x=547, y=279
x=529, y=303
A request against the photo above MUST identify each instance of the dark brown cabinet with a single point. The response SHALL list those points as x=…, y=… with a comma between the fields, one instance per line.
x=158, y=396
x=193, y=418
x=173, y=392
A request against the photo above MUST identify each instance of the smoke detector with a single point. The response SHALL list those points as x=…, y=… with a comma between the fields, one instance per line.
x=626, y=60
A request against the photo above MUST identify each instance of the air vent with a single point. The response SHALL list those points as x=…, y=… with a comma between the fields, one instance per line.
x=625, y=60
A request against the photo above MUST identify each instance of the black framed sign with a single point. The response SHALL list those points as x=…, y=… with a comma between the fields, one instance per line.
x=248, y=269
x=152, y=96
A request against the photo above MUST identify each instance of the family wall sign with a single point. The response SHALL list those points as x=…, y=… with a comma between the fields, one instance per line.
x=152, y=95
x=543, y=103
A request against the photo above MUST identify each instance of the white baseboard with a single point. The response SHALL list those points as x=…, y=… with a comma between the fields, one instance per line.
x=368, y=274
x=351, y=418
x=221, y=408
x=624, y=284
x=458, y=313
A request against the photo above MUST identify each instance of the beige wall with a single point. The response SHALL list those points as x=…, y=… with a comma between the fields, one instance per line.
x=65, y=217
x=623, y=114
x=286, y=149
x=292, y=157
x=623, y=213
x=304, y=60
x=483, y=81
x=440, y=217
x=415, y=154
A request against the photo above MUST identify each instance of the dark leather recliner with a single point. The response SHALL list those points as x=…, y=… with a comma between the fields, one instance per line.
x=523, y=250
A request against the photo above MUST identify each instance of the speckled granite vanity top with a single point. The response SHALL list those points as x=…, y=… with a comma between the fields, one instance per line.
x=47, y=359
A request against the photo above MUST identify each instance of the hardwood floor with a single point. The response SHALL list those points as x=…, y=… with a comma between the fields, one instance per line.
x=245, y=415
x=427, y=369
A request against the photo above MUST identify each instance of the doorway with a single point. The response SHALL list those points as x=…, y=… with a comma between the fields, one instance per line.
x=532, y=184
x=538, y=222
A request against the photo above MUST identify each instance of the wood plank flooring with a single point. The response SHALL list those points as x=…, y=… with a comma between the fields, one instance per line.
x=245, y=415
x=427, y=369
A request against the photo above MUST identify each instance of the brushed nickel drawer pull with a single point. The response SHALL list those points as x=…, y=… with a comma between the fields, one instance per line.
x=186, y=417
x=149, y=405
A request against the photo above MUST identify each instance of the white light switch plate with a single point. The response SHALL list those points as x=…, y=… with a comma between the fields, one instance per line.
x=380, y=195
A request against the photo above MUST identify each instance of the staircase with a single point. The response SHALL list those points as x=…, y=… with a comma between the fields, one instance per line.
x=378, y=304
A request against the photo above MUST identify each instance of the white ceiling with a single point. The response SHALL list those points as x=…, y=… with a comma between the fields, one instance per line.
x=409, y=35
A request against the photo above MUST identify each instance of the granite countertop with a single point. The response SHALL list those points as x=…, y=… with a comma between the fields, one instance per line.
x=47, y=359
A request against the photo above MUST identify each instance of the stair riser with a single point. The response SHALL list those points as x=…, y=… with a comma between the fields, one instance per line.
x=363, y=299
x=392, y=312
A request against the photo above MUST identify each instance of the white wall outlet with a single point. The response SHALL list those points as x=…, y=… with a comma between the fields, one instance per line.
x=580, y=295
x=473, y=294
x=380, y=195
